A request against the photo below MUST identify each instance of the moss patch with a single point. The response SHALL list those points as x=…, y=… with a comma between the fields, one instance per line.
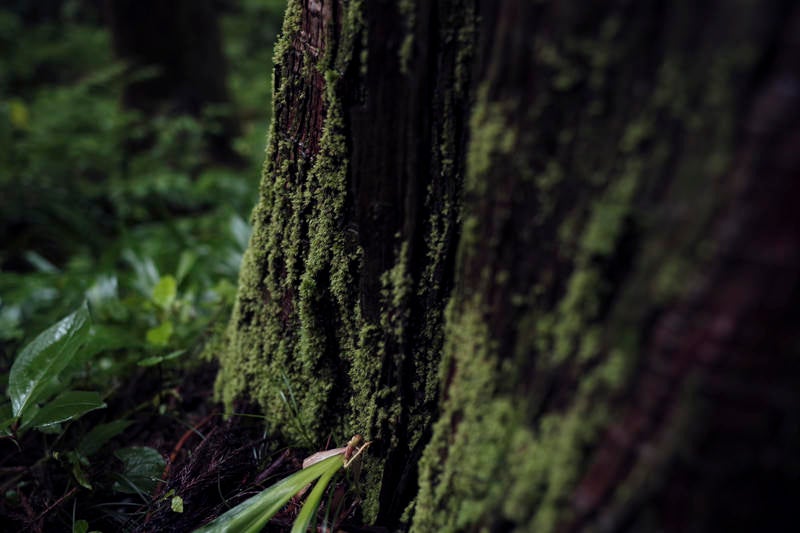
x=540, y=344
x=295, y=314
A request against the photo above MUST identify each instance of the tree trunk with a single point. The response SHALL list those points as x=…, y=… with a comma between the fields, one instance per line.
x=181, y=40
x=551, y=244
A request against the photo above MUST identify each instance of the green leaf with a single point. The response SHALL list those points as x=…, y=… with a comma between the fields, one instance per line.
x=240, y=231
x=185, y=264
x=174, y=355
x=164, y=292
x=160, y=335
x=146, y=273
x=6, y=419
x=80, y=526
x=252, y=514
x=103, y=338
x=176, y=504
x=78, y=462
x=104, y=300
x=99, y=435
x=41, y=361
x=18, y=114
x=156, y=359
x=40, y=263
x=142, y=469
x=151, y=361
x=66, y=406
x=10, y=322
x=309, y=510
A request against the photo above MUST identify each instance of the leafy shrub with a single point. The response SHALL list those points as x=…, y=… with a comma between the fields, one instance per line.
x=113, y=262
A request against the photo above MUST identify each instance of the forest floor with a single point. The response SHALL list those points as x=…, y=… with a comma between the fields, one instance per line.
x=149, y=245
x=213, y=463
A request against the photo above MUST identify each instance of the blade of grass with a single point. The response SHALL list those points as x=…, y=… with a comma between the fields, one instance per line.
x=311, y=504
x=291, y=405
x=252, y=514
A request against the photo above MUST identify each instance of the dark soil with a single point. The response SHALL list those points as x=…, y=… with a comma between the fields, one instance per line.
x=212, y=463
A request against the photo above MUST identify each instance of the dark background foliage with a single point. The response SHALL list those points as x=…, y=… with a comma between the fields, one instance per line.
x=125, y=182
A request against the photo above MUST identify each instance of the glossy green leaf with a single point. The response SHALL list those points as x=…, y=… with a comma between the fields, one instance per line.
x=160, y=335
x=142, y=469
x=66, y=406
x=80, y=477
x=80, y=526
x=102, y=339
x=251, y=515
x=309, y=510
x=41, y=361
x=165, y=291
x=99, y=435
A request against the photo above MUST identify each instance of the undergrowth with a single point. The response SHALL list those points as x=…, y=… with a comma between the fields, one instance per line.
x=117, y=273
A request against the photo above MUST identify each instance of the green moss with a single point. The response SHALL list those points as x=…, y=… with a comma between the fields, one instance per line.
x=608, y=215
x=291, y=25
x=375, y=405
x=495, y=466
x=490, y=463
x=468, y=355
x=297, y=262
x=465, y=22
x=363, y=60
x=491, y=137
x=590, y=343
x=408, y=13
x=565, y=73
x=633, y=137
x=396, y=290
x=577, y=308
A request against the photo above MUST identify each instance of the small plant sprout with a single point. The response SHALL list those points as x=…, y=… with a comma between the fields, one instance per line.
x=350, y=452
x=252, y=514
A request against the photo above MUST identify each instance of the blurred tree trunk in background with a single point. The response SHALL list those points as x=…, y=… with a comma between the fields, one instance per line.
x=544, y=254
x=49, y=10
x=182, y=40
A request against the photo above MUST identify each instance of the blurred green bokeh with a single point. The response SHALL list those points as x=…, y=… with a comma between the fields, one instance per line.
x=85, y=216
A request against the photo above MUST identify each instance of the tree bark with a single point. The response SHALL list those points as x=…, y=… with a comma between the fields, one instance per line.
x=551, y=244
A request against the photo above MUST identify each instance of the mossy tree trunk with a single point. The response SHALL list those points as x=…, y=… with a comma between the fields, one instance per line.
x=543, y=254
